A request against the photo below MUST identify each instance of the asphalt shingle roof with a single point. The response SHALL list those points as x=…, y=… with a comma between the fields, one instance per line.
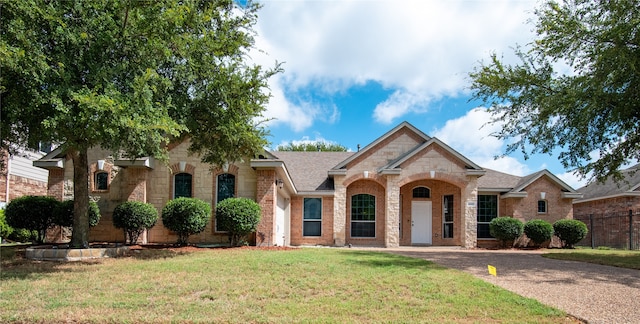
x=309, y=170
x=612, y=188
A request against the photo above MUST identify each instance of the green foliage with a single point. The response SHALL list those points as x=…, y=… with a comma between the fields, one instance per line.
x=23, y=235
x=570, y=231
x=134, y=217
x=5, y=229
x=64, y=213
x=538, y=231
x=576, y=87
x=34, y=213
x=129, y=77
x=239, y=217
x=506, y=229
x=313, y=146
x=186, y=216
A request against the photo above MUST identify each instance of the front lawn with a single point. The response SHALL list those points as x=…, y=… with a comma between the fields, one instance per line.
x=243, y=285
x=617, y=258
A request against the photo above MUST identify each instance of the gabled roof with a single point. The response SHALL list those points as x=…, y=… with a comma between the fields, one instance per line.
x=514, y=187
x=433, y=141
x=308, y=170
x=380, y=139
x=630, y=186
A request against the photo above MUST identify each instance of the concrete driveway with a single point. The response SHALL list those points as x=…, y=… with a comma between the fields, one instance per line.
x=595, y=293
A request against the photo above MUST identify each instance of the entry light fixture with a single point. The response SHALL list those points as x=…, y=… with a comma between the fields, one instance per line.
x=279, y=183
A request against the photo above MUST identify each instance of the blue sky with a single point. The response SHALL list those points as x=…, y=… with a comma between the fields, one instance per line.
x=355, y=69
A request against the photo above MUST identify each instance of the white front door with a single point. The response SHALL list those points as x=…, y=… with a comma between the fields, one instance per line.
x=280, y=221
x=421, y=222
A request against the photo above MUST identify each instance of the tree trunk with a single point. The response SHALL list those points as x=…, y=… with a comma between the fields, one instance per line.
x=80, y=236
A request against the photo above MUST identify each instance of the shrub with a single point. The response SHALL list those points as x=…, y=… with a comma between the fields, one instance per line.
x=34, y=213
x=570, y=231
x=239, y=217
x=5, y=229
x=538, y=231
x=23, y=235
x=64, y=213
x=133, y=217
x=186, y=216
x=506, y=229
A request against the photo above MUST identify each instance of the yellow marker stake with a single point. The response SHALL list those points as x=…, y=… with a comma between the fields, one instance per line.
x=492, y=270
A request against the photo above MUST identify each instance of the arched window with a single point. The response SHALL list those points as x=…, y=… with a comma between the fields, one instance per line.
x=225, y=188
x=421, y=192
x=182, y=185
x=363, y=216
x=101, y=180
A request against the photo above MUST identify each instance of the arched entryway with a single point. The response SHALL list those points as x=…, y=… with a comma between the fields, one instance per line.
x=430, y=213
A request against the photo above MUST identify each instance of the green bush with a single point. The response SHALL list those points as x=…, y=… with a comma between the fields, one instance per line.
x=239, y=217
x=506, y=229
x=133, y=217
x=64, y=213
x=538, y=231
x=34, y=213
x=186, y=216
x=570, y=231
x=5, y=229
x=23, y=235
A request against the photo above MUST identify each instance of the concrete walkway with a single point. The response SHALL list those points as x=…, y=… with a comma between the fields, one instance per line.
x=595, y=293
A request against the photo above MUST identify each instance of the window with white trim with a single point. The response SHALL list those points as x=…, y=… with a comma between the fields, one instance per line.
x=542, y=206
x=312, y=217
x=363, y=215
x=447, y=216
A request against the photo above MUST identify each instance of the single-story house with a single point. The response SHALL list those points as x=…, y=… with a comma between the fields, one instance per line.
x=404, y=188
x=610, y=209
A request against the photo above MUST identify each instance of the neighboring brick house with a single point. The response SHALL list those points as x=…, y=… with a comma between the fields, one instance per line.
x=18, y=176
x=605, y=208
x=405, y=188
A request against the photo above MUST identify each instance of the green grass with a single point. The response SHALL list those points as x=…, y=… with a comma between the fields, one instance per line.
x=244, y=285
x=617, y=258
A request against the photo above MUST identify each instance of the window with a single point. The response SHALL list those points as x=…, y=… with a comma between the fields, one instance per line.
x=101, y=181
x=542, y=206
x=226, y=188
x=182, y=185
x=363, y=216
x=421, y=192
x=447, y=216
x=487, y=210
x=312, y=217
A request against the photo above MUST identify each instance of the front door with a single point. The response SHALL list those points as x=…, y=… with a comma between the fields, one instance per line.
x=280, y=221
x=421, y=222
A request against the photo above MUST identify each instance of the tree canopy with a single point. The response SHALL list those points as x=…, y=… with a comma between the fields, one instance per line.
x=575, y=89
x=130, y=77
x=312, y=146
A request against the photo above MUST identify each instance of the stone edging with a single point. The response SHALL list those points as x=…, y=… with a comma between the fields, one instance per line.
x=56, y=254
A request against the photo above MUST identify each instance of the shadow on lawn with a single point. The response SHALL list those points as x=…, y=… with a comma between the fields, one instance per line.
x=384, y=260
x=14, y=265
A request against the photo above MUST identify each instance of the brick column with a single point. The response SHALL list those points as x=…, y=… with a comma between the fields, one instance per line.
x=469, y=226
x=339, y=212
x=266, y=196
x=55, y=185
x=392, y=228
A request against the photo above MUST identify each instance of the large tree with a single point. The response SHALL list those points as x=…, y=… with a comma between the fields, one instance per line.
x=576, y=87
x=130, y=76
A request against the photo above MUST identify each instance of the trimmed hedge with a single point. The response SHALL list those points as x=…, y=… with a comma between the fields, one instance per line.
x=5, y=229
x=570, y=231
x=506, y=229
x=186, y=216
x=239, y=217
x=64, y=213
x=538, y=231
x=33, y=213
x=133, y=217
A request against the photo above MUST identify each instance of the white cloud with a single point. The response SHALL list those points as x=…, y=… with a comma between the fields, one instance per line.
x=422, y=49
x=572, y=179
x=471, y=136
